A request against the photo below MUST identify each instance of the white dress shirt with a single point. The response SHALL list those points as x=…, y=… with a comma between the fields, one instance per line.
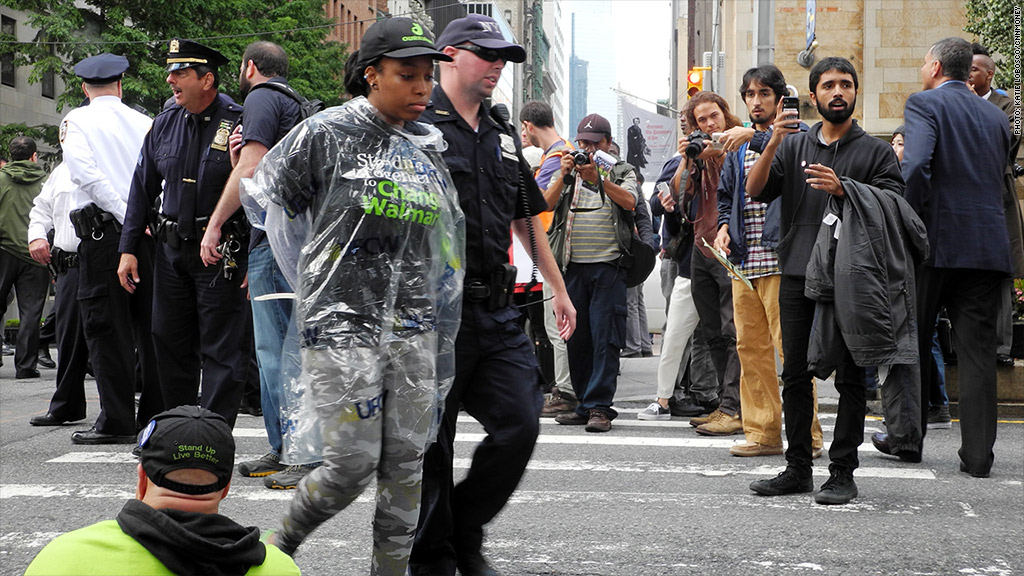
x=51, y=208
x=101, y=145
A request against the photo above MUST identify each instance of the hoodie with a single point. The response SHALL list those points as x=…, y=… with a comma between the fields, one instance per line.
x=20, y=183
x=144, y=541
x=857, y=156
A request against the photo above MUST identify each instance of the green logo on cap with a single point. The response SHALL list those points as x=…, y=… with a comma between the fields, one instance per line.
x=416, y=29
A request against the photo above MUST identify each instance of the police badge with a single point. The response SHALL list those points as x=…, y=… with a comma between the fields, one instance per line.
x=220, y=140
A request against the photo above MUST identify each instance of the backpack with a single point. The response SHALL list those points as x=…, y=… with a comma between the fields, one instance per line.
x=307, y=108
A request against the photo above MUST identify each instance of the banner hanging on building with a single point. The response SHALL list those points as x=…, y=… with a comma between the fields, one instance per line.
x=650, y=139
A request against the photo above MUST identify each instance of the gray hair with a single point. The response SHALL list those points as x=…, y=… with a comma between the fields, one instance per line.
x=955, y=56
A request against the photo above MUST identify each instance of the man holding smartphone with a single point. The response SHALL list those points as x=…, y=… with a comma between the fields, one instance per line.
x=748, y=231
x=801, y=169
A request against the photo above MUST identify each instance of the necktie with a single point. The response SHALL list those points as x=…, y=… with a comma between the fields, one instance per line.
x=190, y=178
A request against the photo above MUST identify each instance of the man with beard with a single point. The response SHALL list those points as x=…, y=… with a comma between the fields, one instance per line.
x=748, y=231
x=269, y=114
x=801, y=169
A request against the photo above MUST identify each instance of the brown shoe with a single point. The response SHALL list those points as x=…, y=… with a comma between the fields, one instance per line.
x=702, y=420
x=557, y=404
x=755, y=449
x=815, y=452
x=598, y=422
x=723, y=425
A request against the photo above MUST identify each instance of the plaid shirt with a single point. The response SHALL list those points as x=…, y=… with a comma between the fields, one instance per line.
x=761, y=260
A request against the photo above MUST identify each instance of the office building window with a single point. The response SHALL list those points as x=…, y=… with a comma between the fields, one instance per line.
x=7, y=27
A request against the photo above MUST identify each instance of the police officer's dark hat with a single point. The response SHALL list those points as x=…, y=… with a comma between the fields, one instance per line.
x=186, y=54
x=101, y=68
x=482, y=31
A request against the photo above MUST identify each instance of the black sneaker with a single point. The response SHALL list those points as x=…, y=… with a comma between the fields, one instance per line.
x=838, y=489
x=787, y=482
x=689, y=408
x=266, y=465
x=938, y=418
x=288, y=479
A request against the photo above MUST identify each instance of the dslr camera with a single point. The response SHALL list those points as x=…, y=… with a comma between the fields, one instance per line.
x=696, y=143
x=579, y=157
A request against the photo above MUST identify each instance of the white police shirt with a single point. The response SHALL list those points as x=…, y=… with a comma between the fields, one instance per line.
x=51, y=207
x=101, y=145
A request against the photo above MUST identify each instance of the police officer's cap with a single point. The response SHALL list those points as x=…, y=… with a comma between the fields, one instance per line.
x=101, y=68
x=186, y=54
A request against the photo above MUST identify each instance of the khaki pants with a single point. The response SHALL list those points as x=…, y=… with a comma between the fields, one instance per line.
x=758, y=336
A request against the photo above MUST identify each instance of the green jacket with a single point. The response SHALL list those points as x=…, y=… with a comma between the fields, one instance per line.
x=20, y=183
x=558, y=234
x=103, y=549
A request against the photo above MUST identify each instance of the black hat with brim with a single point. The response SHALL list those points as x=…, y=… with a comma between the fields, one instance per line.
x=398, y=37
x=482, y=31
x=187, y=53
x=102, y=68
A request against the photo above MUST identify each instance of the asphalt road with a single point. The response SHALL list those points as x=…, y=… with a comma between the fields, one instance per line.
x=643, y=499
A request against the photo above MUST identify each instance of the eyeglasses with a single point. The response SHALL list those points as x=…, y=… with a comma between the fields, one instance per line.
x=485, y=54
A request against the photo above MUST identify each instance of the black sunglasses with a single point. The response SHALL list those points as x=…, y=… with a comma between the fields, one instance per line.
x=485, y=54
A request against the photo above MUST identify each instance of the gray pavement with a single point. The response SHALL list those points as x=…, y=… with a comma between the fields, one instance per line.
x=643, y=499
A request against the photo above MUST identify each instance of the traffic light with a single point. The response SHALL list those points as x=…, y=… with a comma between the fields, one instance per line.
x=694, y=82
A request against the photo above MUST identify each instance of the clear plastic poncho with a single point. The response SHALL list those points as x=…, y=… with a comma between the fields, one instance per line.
x=364, y=221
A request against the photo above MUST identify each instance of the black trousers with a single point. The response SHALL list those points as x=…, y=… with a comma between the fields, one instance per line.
x=498, y=382
x=117, y=327
x=68, y=401
x=30, y=282
x=712, y=296
x=796, y=313
x=971, y=299
x=199, y=330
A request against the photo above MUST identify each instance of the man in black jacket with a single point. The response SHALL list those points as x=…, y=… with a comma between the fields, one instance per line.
x=797, y=168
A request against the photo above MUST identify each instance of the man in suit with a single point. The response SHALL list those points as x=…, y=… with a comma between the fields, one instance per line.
x=979, y=80
x=956, y=152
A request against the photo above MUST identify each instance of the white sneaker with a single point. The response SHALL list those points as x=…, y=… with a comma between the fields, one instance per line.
x=654, y=412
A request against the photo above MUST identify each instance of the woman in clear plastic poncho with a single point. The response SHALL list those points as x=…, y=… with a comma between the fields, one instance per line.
x=361, y=209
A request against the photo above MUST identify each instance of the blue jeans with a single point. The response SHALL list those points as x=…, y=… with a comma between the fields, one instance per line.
x=270, y=320
x=598, y=291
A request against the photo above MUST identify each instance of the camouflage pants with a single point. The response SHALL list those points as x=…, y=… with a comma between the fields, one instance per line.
x=375, y=407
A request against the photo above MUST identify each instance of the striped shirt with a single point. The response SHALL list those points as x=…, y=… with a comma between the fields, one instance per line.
x=592, y=237
x=760, y=260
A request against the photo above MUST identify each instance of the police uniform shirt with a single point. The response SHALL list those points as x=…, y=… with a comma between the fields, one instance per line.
x=163, y=163
x=101, y=145
x=268, y=116
x=50, y=211
x=486, y=170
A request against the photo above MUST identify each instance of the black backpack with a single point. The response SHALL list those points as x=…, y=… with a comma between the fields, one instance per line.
x=307, y=108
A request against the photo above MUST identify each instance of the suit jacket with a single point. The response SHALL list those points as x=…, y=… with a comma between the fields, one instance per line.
x=1014, y=218
x=957, y=149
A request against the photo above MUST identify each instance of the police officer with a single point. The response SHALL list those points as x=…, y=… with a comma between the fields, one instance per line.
x=497, y=378
x=101, y=144
x=50, y=213
x=198, y=311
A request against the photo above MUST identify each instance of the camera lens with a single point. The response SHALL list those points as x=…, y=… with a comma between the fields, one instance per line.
x=580, y=158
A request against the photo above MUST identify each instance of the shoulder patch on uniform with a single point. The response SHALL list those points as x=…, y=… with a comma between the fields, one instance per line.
x=63, y=130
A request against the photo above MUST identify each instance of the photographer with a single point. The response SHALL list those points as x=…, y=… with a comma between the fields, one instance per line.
x=591, y=232
x=710, y=283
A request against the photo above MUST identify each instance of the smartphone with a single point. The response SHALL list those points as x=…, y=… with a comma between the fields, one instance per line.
x=716, y=140
x=791, y=103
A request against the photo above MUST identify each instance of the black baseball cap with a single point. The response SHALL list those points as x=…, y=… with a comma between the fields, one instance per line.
x=101, y=68
x=398, y=37
x=482, y=31
x=187, y=53
x=593, y=127
x=187, y=437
